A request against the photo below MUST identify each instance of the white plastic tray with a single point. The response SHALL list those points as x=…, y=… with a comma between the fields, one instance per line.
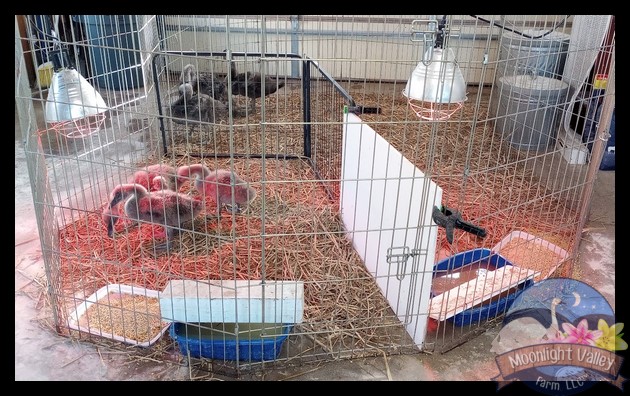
x=103, y=292
x=561, y=253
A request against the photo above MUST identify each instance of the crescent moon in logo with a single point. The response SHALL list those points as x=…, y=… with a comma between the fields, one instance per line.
x=578, y=299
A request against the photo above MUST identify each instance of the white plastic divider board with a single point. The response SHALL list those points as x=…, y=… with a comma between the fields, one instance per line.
x=387, y=202
x=233, y=301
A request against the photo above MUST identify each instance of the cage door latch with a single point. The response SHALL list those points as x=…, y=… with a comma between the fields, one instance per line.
x=400, y=255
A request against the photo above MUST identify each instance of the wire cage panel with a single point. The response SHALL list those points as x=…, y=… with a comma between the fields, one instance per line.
x=247, y=117
x=282, y=214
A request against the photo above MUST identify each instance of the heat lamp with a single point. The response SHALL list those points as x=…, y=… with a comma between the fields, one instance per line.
x=436, y=89
x=73, y=107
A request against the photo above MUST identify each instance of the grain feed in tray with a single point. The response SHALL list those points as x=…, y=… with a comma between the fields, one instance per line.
x=531, y=255
x=133, y=317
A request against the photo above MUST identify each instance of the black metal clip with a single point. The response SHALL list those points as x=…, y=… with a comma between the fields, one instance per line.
x=364, y=110
x=451, y=219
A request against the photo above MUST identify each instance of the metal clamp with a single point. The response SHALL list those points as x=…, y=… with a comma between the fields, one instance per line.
x=432, y=29
x=429, y=36
x=416, y=30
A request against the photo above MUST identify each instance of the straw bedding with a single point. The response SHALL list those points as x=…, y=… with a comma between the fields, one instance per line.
x=303, y=240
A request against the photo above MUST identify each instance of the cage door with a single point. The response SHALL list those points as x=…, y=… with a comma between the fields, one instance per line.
x=386, y=205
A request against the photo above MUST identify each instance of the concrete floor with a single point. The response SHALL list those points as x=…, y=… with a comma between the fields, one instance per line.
x=40, y=354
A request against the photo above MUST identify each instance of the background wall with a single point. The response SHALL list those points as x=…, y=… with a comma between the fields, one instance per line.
x=372, y=47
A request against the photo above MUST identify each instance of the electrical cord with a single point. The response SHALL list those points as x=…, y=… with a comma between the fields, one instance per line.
x=34, y=26
x=521, y=33
x=439, y=41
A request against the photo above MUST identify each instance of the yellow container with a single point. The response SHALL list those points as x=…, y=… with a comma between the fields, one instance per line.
x=44, y=74
x=601, y=81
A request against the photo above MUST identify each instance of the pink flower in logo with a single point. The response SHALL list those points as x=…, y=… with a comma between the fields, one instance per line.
x=580, y=334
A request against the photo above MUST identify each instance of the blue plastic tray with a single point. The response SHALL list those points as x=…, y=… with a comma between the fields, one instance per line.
x=485, y=311
x=225, y=346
